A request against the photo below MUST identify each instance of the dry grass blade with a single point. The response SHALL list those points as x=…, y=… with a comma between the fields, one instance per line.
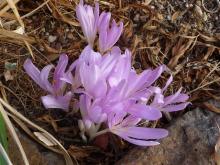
x=16, y=36
x=207, y=84
x=6, y=8
x=211, y=107
x=30, y=133
x=29, y=49
x=179, y=50
x=13, y=134
x=28, y=14
x=5, y=155
x=58, y=15
x=12, y=5
x=46, y=134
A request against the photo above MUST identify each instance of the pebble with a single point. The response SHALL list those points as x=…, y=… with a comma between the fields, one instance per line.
x=137, y=17
x=52, y=38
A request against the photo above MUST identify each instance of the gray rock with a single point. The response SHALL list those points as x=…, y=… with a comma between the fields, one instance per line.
x=52, y=38
x=36, y=154
x=191, y=142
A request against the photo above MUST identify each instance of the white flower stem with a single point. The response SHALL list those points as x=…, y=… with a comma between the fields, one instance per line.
x=99, y=133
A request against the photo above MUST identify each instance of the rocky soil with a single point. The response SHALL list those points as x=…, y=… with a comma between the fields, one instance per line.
x=191, y=141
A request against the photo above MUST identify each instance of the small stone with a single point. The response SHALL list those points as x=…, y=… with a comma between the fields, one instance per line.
x=152, y=7
x=198, y=11
x=70, y=35
x=52, y=38
x=137, y=17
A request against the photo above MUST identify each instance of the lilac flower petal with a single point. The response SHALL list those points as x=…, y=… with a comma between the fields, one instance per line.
x=115, y=118
x=33, y=72
x=89, y=56
x=177, y=107
x=59, y=72
x=44, y=76
x=140, y=142
x=158, y=99
x=144, y=112
x=130, y=121
x=141, y=132
x=136, y=82
x=140, y=135
x=109, y=61
x=92, y=80
x=181, y=98
x=68, y=76
x=87, y=17
x=108, y=35
x=168, y=82
x=155, y=74
x=172, y=98
x=95, y=114
x=104, y=20
x=61, y=102
x=114, y=33
x=121, y=70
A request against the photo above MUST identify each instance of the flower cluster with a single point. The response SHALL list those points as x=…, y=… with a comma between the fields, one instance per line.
x=112, y=97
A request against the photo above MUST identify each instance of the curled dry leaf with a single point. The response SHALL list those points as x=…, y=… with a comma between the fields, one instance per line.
x=42, y=137
x=211, y=107
x=8, y=76
x=81, y=152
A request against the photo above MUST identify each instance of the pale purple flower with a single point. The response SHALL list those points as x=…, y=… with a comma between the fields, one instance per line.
x=126, y=127
x=56, y=89
x=88, y=18
x=108, y=33
x=171, y=103
x=111, y=93
x=89, y=58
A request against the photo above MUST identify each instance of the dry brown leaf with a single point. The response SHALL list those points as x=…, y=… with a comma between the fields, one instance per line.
x=175, y=16
x=77, y=152
x=44, y=139
x=58, y=15
x=12, y=5
x=50, y=120
x=211, y=107
x=146, y=2
x=81, y=152
x=179, y=50
x=16, y=36
x=6, y=8
x=8, y=76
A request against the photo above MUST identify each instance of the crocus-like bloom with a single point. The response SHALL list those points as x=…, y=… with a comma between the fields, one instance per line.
x=56, y=89
x=111, y=93
x=121, y=96
x=108, y=34
x=125, y=127
x=88, y=18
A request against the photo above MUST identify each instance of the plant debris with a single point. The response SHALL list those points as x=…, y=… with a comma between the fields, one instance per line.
x=184, y=35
